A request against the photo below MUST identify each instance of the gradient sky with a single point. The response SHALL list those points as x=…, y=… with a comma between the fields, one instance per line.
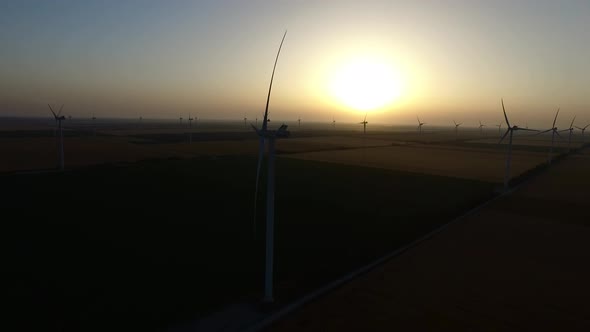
x=214, y=58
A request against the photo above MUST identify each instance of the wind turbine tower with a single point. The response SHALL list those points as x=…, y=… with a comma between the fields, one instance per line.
x=583, y=129
x=60, y=143
x=364, y=123
x=457, y=127
x=481, y=125
x=510, y=130
x=420, y=124
x=571, y=130
x=554, y=132
x=268, y=135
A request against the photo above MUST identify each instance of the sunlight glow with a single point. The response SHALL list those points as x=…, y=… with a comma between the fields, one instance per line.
x=366, y=84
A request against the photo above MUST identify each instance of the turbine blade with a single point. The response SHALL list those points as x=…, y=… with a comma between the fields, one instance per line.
x=264, y=123
x=365, y=120
x=61, y=108
x=527, y=129
x=544, y=131
x=418, y=119
x=572, y=124
x=554, y=120
x=505, y=116
x=51, y=109
x=505, y=134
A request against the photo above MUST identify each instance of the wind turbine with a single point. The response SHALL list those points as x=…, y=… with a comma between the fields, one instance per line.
x=481, y=125
x=245, y=122
x=583, y=129
x=420, y=124
x=499, y=128
x=190, y=131
x=270, y=135
x=333, y=122
x=364, y=123
x=457, y=127
x=60, y=144
x=571, y=130
x=554, y=132
x=299, y=122
x=510, y=130
x=180, y=121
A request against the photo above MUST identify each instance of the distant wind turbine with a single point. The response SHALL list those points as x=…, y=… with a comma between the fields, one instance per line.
x=420, y=124
x=270, y=135
x=60, y=143
x=364, y=123
x=333, y=122
x=510, y=130
x=481, y=125
x=571, y=130
x=190, y=126
x=245, y=122
x=180, y=121
x=299, y=122
x=499, y=129
x=554, y=132
x=583, y=129
x=457, y=127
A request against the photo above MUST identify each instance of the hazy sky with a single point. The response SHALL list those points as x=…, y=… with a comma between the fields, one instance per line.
x=450, y=59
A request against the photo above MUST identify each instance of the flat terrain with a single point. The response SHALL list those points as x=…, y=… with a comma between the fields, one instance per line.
x=517, y=264
x=459, y=162
x=145, y=229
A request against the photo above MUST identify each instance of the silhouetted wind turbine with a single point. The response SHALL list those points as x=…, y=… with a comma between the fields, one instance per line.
x=271, y=136
x=364, y=123
x=571, y=130
x=457, y=127
x=420, y=124
x=481, y=125
x=180, y=121
x=60, y=144
x=190, y=126
x=510, y=130
x=299, y=122
x=499, y=129
x=554, y=132
x=333, y=122
x=245, y=122
x=583, y=129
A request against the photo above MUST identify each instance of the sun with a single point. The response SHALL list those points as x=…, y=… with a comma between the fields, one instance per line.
x=365, y=84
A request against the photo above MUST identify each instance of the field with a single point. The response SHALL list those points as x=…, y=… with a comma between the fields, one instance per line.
x=145, y=230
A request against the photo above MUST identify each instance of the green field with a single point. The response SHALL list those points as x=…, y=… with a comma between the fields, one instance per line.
x=143, y=245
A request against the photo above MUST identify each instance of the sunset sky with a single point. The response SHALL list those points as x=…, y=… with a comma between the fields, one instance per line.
x=442, y=60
